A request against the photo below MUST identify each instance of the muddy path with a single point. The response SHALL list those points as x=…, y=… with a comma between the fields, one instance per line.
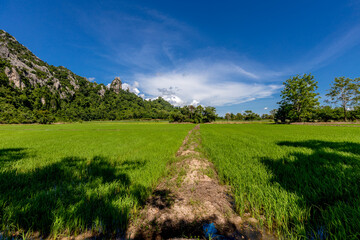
x=188, y=199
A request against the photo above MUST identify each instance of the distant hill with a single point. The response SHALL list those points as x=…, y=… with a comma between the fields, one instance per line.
x=33, y=91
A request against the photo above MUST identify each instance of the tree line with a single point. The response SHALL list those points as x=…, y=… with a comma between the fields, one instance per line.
x=249, y=115
x=300, y=101
x=198, y=114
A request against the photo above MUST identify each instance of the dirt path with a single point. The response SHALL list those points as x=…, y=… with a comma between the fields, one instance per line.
x=189, y=198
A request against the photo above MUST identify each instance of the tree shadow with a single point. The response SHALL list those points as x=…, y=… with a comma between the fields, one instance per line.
x=73, y=195
x=174, y=227
x=326, y=180
x=185, y=228
x=161, y=199
x=9, y=155
x=349, y=147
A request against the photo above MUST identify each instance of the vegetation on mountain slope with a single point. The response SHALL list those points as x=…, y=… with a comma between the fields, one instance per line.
x=32, y=91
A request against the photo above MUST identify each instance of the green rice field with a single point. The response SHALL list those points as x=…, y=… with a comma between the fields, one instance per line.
x=72, y=178
x=302, y=182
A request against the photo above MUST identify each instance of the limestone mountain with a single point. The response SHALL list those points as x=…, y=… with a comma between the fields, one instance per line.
x=25, y=70
x=32, y=90
x=116, y=85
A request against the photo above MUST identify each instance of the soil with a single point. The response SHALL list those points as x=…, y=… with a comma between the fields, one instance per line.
x=189, y=197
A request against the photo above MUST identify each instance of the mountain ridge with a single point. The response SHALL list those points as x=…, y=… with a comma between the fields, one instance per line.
x=31, y=90
x=38, y=72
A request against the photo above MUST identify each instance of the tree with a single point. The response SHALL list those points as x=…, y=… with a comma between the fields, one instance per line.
x=239, y=116
x=228, y=116
x=209, y=114
x=299, y=93
x=282, y=113
x=176, y=116
x=250, y=115
x=344, y=91
x=273, y=113
x=267, y=116
x=199, y=114
x=327, y=113
x=192, y=111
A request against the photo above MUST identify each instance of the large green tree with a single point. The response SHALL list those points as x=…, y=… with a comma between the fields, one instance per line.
x=344, y=91
x=250, y=115
x=299, y=93
x=209, y=114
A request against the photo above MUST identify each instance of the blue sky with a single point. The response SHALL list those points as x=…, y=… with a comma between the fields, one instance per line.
x=233, y=55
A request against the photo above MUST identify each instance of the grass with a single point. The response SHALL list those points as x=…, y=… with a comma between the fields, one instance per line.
x=305, y=180
x=301, y=181
x=73, y=178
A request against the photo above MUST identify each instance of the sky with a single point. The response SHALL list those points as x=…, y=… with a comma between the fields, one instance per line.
x=233, y=55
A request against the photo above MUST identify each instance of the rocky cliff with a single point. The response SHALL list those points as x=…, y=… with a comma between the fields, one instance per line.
x=116, y=85
x=26, y=70
x=31, y=90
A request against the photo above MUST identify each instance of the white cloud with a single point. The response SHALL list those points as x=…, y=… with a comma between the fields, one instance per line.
x=132, y=88
x=164, y=57
x=174, y=100
x=217, y=84
x=125, y=86
x=265, y=108
x=194, y=103
x=159, y=55
x=91, y=79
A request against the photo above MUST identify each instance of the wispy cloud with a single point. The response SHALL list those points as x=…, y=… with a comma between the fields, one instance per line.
x=143, y=42
x=339, y=45
x=164, y=63
x=215, y=85
x=333, y=46
x=165, y=57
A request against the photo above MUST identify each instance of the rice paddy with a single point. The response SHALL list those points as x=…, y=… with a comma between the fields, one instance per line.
x=73, y=178
x=302, y=182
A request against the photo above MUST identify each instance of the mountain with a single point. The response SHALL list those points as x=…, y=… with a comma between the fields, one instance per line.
x=33, y=91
